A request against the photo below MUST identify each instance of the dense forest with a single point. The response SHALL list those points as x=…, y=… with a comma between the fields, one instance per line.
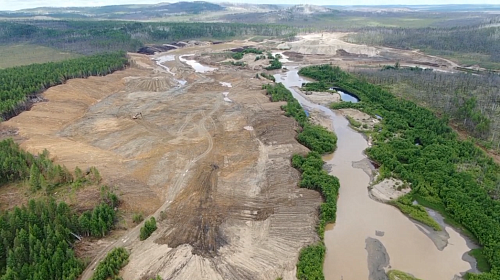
x=19, y=84
x=319, y=141
x=447, y=174
x=89, y=37
x=36, y=240
x=469, y=101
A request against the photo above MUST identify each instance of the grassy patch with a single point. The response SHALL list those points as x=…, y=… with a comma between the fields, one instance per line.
x=353, y=122
x=436, y=206
x=482, y=263
x=400, y=275
x=17, y=55
x=416, y=212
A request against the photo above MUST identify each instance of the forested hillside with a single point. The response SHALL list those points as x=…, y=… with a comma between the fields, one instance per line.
x=88, y=37
x=36, y=239
x=469, y=101
x=449, y=175
x=19, y=84
x=39, y=171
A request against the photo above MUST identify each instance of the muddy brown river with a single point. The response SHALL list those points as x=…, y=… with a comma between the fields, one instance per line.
x=359, y=217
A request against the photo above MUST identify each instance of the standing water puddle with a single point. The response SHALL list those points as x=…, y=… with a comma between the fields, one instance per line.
x=347, y=97
x=283, y=58
x=359, y=217
x=198, y=67
x=160, y=60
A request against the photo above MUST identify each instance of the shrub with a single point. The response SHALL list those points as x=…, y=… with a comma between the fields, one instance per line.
x=148, y=228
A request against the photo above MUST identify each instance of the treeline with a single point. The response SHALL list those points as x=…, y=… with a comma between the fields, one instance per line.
x=444, y=41
x=19, y=84
x=319, y=141
x=111, y=265
x=470, y=101
x=17, y=165
x=267, y=76
x=36, y=240
x=445, y=173
x=39, y=172
x=90, y=37
x=240, y=54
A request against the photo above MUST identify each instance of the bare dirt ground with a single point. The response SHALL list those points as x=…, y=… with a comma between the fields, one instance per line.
x=215, y=172
x=367, y=122
x=322, y=98
x=321, y=48
x=388, y=189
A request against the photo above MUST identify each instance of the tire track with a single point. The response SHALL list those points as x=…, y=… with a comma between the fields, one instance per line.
x=132, y=236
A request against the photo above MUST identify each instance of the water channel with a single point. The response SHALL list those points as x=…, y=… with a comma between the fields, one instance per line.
x=198, y=67
x=359, y=217
x=165, y=58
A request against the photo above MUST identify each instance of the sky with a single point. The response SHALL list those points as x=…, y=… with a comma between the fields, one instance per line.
x=25, y=4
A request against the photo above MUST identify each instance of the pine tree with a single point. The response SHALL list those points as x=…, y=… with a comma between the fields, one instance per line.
x=34, y=177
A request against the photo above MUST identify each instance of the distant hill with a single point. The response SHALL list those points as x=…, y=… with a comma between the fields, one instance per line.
x=233, y=12
x=307, y=9
x=293, y=15
x=129, y=12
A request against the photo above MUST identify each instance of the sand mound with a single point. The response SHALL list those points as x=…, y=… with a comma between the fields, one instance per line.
x=389, y=189
x=154, y=84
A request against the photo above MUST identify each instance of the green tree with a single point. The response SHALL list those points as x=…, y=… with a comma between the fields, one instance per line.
x=35, y=177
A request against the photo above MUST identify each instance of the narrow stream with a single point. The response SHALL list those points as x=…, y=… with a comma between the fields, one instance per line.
x=359, y=217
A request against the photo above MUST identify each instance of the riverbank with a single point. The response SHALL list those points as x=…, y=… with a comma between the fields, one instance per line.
x=359, y=217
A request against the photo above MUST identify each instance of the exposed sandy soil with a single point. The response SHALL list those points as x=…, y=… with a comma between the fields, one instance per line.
x=249, y=60
x=361, y=117
x=388, y=189
x=216, y=170
x=322, y=98
x=321, y=48
x=327, y=43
